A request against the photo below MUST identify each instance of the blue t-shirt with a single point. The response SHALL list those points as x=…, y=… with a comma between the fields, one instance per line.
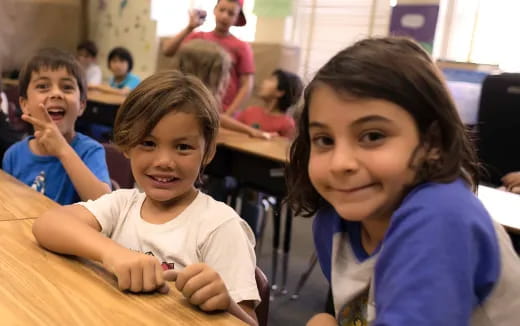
x=131, y=81
x=438, y=262
x=54, y=182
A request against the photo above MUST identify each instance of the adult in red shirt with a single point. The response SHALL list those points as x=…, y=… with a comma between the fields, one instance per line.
x=227, y=13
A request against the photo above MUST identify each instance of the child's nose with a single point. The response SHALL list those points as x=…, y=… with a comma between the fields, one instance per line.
x=164, y=159
x=56, y=92
x=344, y=160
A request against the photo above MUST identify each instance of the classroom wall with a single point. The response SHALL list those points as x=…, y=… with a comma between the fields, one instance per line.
x=28, y=25
x=124, y=23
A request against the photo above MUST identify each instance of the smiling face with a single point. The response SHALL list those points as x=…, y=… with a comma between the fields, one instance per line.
x=362, y=153
x=167, y=162
x=59, y=93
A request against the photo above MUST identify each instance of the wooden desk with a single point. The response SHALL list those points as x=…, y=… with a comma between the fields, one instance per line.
x=10, y=82
x=18, y=201
x=39, y=287
x=103, y=97
x=276, y=149
x=101, y=108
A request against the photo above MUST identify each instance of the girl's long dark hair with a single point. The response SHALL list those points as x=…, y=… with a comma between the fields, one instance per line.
x=397, y=70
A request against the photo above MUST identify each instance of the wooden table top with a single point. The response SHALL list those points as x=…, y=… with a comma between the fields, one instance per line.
x=39, y=287
x=18, y=201
x=9, y=82
x=103, y=97
x=276, y=149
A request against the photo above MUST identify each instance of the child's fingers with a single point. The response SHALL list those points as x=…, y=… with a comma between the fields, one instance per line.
x=203, y=294
x=37, y=123
x=170, y=275
x=149, y=278
x=199, y=281
x=123, y=279
x=43, y=111
x=186, y=274
x=164, y=289
x=219, y=302
x=136, y=282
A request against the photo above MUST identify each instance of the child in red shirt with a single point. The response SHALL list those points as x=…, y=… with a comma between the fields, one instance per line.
x=279, y=92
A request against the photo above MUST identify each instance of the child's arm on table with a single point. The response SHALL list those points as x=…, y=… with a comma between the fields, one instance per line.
x=204, y=287
x=73, y=230
x=109, y=89
x=53, y=143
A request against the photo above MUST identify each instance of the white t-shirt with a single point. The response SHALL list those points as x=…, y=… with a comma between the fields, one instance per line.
x=93, y=74
x=207, y=231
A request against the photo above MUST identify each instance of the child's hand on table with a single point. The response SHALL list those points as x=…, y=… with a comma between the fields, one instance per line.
x=135, y=272
x=202, y=286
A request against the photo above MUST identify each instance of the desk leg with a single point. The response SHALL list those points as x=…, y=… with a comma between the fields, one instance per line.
x=286, y=246
x=276, y=243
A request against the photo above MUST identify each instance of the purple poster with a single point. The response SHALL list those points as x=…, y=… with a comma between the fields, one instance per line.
x=416, y=21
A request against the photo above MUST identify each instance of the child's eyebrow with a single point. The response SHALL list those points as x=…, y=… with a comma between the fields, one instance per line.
x=316, y=124
x=371, y=118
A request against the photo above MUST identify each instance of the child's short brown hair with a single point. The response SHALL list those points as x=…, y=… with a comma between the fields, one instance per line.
x=158, y=95
x=53, y=59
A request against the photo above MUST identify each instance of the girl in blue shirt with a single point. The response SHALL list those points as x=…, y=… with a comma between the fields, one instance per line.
x=383, y=160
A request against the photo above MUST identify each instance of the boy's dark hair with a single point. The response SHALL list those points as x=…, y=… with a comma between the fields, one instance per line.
x=292, y=87
x=53, y=59
x=88, y=46
x=161, y=93
x=122, y=54
x=397, y=70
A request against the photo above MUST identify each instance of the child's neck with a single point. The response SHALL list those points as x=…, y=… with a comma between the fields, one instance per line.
x=221, y=33
x=158, y=212
x=372, y=233
x=119, y=79
x=271, y=106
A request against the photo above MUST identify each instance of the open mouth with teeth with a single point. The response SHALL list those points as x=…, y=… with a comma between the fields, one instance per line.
x=159, y=180
x=56, y=113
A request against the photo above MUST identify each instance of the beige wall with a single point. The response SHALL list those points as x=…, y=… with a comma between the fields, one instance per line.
x=131, y=27
x=28, y=25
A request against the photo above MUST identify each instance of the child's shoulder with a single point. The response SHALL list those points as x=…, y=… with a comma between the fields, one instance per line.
x=21, y=147
x=84, y=141
x=452, y=203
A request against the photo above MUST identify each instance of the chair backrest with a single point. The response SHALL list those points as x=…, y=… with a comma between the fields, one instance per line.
x=498, y=142
x=118, y=167
x=262, y=311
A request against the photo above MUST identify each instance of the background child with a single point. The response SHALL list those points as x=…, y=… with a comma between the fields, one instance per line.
x=58, y=161
x=167, y=127
x=279, y=92
x=120, y=62
x=87, y=54
x=227, y=13
x=383, y=159
x=211, y=64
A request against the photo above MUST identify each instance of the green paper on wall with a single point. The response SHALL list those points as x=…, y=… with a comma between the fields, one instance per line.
x=273, y=8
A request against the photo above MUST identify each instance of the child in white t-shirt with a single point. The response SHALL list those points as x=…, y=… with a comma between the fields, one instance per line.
x=167, y=128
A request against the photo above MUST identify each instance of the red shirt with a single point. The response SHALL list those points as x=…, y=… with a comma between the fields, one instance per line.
x=241, y=56
x=257, y=117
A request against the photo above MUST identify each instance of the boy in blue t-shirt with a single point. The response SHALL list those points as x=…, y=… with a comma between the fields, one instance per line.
x=61, y=163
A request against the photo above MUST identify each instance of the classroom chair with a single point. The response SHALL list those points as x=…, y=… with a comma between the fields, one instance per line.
x=498, y=141
x=262, y=311
x=118, y=168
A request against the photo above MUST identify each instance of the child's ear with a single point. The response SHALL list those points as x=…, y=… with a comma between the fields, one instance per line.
x=82, y=106
x=211, y=154
x=23, y=104
x=433, y=142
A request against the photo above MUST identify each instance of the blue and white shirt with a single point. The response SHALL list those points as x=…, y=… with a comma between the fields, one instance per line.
x=443, y=261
